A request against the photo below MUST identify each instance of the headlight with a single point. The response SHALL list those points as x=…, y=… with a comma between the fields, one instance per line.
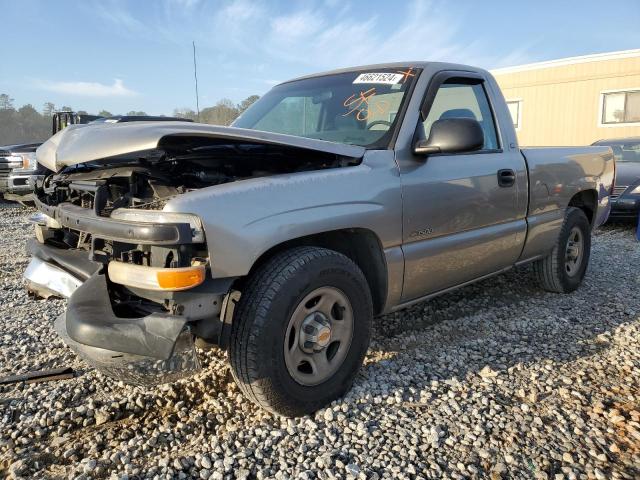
x=158, y=216
x=28, y=160
x=635, y=191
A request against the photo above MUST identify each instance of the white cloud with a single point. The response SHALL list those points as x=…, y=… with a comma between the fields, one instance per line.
x=305, y=23
x=88, y=89
x=185, y=3
x=119, y=17
x=321, y=35
x=240, y=10
x=330, y=37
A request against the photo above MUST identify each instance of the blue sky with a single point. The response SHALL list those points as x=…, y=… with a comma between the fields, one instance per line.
x=136, y=55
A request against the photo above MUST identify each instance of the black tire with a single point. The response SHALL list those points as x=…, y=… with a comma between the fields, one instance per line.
x=260, y=323
x=551, y=271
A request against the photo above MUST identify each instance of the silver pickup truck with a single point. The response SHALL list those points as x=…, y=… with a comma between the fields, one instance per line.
x=17, y=164
x=335, y=198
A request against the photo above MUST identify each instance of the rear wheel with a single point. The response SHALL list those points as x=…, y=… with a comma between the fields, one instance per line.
x=301, y=330
x=563, y=270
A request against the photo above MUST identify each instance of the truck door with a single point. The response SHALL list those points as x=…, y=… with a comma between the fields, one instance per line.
x=464, y=213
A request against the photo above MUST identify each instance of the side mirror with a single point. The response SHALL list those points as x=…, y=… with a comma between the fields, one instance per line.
x=451, y=135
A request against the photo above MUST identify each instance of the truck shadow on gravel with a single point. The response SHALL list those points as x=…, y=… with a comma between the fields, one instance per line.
x=508, y=320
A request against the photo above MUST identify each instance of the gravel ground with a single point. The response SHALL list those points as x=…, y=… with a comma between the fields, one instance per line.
x=497, y=380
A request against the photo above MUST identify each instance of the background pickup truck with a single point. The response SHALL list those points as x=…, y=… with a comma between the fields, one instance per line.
x=18, y=167
x=18, y=162
x=15, y=159
x=334, y=198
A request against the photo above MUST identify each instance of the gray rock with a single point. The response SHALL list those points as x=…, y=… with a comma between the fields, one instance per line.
x=496, y=372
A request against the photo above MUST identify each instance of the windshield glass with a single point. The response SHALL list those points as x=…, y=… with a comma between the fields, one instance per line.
x=627, y=152
x=358, y=108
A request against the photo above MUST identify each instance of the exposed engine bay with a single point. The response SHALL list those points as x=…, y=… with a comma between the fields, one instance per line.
x=180, y=164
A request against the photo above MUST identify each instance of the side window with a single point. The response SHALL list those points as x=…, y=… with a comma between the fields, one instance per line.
x=459, y=100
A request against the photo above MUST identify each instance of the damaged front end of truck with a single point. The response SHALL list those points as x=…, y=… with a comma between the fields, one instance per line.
x=137, y=275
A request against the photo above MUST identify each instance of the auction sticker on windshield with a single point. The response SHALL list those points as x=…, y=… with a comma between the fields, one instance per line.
x=386, y=78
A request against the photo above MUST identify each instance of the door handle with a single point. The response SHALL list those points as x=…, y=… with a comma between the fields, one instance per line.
x=506, y=177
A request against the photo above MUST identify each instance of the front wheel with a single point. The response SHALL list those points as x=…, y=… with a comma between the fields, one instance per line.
x=301, y=330
x=563, y=270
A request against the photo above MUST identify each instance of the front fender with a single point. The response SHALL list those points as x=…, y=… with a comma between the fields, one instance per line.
x=244, y=219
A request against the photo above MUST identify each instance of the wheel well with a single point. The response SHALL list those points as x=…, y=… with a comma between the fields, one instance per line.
x=585, y=200
x=362, y=246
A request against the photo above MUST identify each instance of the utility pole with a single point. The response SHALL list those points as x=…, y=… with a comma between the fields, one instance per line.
x=195, y=76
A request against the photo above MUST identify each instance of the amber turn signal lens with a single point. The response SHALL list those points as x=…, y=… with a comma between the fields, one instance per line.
x=154, y=278
x=180, y=278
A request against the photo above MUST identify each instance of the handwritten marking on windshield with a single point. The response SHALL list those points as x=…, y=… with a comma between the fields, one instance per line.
x=360, y=104
x=406, y=74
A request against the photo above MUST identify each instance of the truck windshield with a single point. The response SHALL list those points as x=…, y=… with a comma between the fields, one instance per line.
x=358, y=108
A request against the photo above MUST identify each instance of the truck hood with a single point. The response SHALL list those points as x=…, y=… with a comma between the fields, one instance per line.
x=84, y=143
x=20, y=148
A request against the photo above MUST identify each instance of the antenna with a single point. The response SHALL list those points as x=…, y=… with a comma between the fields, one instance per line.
x=195, y=76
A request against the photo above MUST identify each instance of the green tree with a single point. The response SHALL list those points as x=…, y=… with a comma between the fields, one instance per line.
x=185, y=113
x=26, y=124
x=6, y=102
x=48, y=109
x=23, y=125
x=246, y=103
x=31, y=125
x=222, y=113
x=136, y=113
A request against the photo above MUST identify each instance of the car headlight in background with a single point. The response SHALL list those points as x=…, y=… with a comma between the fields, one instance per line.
x=28, y=160
x=635, y=191
x=158, y=216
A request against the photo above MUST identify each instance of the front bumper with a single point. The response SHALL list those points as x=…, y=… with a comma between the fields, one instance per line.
x=625, y=206
x=136, y=369
x=7, y=165
x=103, y=322
x=47, y=280
x=21, y=182
x=144, y=233
x=91, y=321
x=148, y=350
x=56, y=272
x=156, y=348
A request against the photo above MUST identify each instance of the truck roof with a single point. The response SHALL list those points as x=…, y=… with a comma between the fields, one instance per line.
x=419, y=64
